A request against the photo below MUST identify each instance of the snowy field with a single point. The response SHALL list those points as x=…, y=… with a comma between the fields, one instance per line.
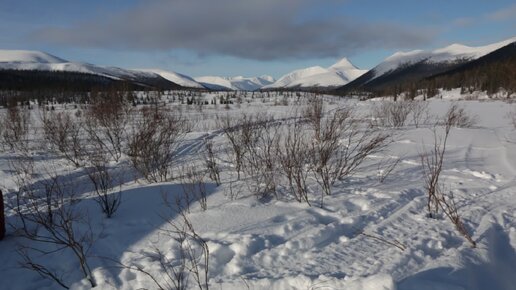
x=372, y=232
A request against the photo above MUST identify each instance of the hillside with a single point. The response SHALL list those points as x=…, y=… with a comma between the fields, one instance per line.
x=404, y=71
x=23, y=69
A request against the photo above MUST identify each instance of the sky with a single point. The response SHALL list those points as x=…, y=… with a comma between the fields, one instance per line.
x=247, y=37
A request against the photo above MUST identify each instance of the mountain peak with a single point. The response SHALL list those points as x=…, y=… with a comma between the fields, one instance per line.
x=344, y=63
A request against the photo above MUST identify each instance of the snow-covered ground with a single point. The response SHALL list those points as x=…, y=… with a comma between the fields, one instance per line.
x=284, y=244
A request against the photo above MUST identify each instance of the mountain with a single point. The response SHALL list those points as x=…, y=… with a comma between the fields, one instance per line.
x=336, y=75
x=35, y=61
x=409, y=67
x=238, y=83
x=28, y=56
x=177, y=78
x=491, y=73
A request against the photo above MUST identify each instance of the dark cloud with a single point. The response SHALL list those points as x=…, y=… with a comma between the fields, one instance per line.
x=262, y=30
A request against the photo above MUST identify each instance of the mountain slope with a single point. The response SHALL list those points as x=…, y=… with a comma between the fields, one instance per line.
x=238, y=83
x=35, y=61
x=413, y=66
x=177, y=78
x=336, y=75
x=28, y=56
x=490, y=73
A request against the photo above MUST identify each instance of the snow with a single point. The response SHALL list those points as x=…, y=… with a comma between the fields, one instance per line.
x=283, y=244
x=451, y=53
x=35, y=60
x=238, y=83
x=28, y=56
x=177, y=78
x=336, y=75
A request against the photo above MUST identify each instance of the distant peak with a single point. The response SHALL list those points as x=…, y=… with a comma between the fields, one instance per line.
x=267, y=78
x=344, y=63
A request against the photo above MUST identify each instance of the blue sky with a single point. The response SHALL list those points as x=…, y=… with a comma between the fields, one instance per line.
x=247, y=37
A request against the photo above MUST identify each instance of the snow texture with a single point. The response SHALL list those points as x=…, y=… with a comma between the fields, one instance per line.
x=282, y=244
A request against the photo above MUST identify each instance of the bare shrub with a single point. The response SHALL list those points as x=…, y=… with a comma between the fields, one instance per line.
x=391, y=114
x=188, y=268
x=261, y=159
x=420, y=113
x=53, y=222
x=194, y=187
x=340, y=145
x=293, y=152
x=432, y=163
x=432, y=166
x=63, y=132
x=238, y=131
x=106, y=194
x=153, y=142
x=194, y=256
x=105, y=122
x=16, y=126
x=211, y=161
x=457, y=116
x=386, y=167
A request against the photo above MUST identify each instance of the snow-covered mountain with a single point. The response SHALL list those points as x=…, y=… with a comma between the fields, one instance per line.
x=404, y=68
x=336, y=75
x=452, y=53
x=238, y=83
x=39, y=61
x=177, y=78
x=28, y=56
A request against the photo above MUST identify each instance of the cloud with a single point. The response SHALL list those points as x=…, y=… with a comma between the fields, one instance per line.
x=463, y=22
x=507, y=13
x=260, y=30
